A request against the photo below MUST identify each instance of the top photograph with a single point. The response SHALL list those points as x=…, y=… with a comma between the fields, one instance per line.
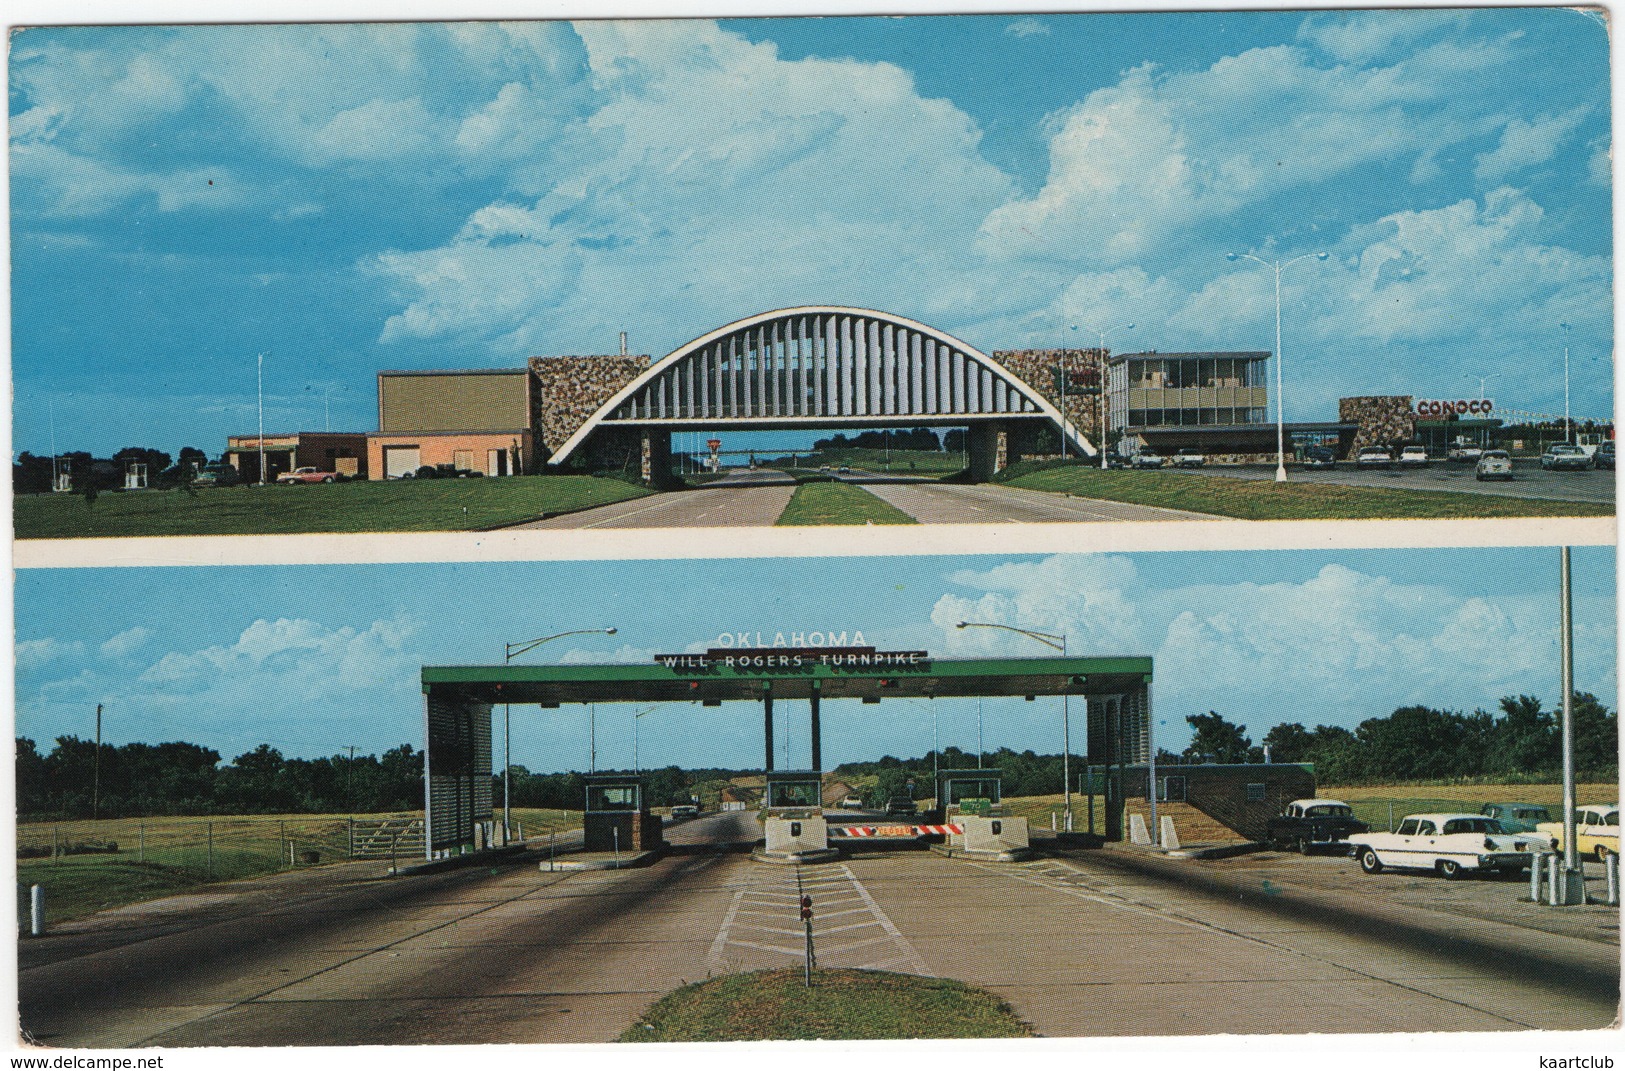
x=940, y=270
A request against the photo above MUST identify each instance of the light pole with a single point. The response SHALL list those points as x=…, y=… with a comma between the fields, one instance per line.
x=935, y=746
x=636, y=767
x=1100, y=356
x=1481, y=381
x=1280, y=426
x=260, y=371
x=509, y=652
x=1568, y=423
x=1058, y=642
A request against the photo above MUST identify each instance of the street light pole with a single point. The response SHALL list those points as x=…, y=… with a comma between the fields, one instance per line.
x=509, y=651
x=260, y=370
x=637, y=768
x=1100, y=357
x=1058, y=642
x=1568, y=422
x=1481, y=381
x=1280, y=424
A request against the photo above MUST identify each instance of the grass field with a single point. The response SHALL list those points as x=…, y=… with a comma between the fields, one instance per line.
x=833, y=502
x=1262, y=500
x=843, y=1005
x=362, y=506
x=162, y=856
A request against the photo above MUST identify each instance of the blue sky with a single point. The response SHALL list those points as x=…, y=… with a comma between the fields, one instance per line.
x=359, y=197
x=313, y=659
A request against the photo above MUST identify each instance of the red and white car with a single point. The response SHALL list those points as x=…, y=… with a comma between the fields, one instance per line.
x=308, y=474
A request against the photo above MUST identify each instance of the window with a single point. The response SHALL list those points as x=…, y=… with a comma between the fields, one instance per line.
x=1425, y=829
x=1408, y=828
x=1255, y=793
x=1173, y=789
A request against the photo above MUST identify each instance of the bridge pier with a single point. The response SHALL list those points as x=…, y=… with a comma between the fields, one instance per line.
x=656, y=464
x=982, y=450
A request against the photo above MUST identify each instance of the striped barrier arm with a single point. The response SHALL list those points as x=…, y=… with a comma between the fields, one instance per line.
x=892, y=831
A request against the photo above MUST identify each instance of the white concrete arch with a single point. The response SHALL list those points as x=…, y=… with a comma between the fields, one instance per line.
x=821, y=366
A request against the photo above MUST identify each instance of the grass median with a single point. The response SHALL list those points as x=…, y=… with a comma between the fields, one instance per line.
x=842, y=1005
x=833, y=502
x=1264, y=500
x=361, y=506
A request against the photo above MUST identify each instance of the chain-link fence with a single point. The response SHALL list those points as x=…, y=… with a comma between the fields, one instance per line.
x=203, y=848
x=1386, y=813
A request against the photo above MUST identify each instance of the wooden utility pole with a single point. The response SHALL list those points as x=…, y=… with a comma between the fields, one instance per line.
x=96, y=770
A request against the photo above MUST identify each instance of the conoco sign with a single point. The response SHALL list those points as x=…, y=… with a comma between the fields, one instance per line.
x=1462, y=407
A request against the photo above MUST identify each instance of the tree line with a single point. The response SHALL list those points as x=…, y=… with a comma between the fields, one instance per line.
x=31, y=473
x=1417, y=743
x=914, y=439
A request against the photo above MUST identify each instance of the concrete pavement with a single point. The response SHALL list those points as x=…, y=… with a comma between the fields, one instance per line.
x=750, y=499
x=930, y=502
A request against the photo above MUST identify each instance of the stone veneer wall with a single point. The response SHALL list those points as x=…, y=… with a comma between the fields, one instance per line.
x=1082, y=369
x=569, y=390
x=1380, y=420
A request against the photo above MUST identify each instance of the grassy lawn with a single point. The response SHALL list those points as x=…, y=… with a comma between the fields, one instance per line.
x=833, y=502
x=843, y=1005
x=162, y=856
x=1263, y=500
x=363, y=506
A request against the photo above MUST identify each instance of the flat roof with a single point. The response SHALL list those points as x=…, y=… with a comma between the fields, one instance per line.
x=1236, y=429
x=1148, y=355
x=455, y=372
x=643, y=683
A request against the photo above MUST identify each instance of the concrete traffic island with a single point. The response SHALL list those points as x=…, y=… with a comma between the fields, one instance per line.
x=988, y=839
x=795, y=840
x=585, y=860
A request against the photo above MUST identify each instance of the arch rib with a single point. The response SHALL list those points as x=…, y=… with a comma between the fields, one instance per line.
x=755, y=370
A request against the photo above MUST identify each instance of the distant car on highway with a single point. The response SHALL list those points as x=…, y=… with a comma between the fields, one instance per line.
x=900, y=806
x=308, y=474
x=1373, y=457
x=1320, y=457
x=852, y=803
x=1494, y=465
x=1148, y=459
x=685, y=810
x=846, y=470
x=1451, y=845
x=1604, y=457
x=1189, y=457
x=1413, y=457
x=1596, y=830
x=1313, y=823
x=1565, y=457
x=1517, y=817
x=218, y=475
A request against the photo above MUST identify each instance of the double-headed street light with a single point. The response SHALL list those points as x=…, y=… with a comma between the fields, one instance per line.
x=1482, y=380
x=1100, y=356
x=1280, y=425
x=636, y=768
x=1058, y=642
x=509, y=653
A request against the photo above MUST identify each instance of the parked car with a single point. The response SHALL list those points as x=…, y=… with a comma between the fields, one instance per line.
x=1373, y=457
x=1320, y=457
x=1308, y=824
x=1148, y=459
x=1596, y=830
x=846, y=470
x=852, y=803
x=1462, y=450
x=685, y=810
x=308, y=474
x=1413, y=457
x=900, y=806
x=1189, y=457
x=1565, y=456
x=1604, y=457
x=1494, y=465
x=1449, y=844
x=1517, y=817
x=218, y=475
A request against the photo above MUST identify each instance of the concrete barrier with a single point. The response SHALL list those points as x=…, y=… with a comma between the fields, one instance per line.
x=1170, y=839
x=1002, y=839
x=796, y=840
x=1137, y=833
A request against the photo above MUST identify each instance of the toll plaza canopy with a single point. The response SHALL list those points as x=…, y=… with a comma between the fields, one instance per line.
x=458, y=702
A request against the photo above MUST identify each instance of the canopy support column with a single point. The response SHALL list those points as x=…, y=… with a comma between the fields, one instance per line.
x=767, y=726
x=817, y=734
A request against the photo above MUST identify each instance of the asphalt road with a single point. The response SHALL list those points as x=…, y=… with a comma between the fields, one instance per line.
x=1093, y=944
x=741, y=499
x=1529, y=479
x=930, y=502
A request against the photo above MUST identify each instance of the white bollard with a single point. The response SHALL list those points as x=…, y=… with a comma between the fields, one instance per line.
x=1170, y=839
x=1052, y=826
x=36, y=911
x=1137, y=832
x=1610, y=872
x=1537, y=863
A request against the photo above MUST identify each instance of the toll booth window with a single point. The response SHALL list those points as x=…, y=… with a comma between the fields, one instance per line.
x=612, y=798
x=959, y=791
x=793, y=794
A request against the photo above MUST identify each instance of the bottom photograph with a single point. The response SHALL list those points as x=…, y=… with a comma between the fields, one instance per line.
x=1069, y=796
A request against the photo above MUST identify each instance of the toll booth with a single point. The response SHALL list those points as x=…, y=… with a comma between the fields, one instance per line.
x=794, y=790
x=794, y=822
x=615, y=818
x=977, y=792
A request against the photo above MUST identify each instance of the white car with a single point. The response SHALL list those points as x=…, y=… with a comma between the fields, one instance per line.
x=1451, y=844
x=1413, y=457
x=1373, y=457
x=1494, y=465
x=852, y=803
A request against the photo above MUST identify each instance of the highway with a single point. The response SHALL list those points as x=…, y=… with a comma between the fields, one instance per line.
x=1089, y=944
x=931, y=502
x=1529, y=479
x=743, y=498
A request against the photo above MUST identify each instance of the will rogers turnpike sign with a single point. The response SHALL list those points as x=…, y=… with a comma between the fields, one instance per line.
x=796, y=658
x=1462, y=407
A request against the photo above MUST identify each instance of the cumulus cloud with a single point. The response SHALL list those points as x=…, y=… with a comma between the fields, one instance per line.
x=1336, y=648
x=32, y=654
x=126, y=643
x=1526, y=143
